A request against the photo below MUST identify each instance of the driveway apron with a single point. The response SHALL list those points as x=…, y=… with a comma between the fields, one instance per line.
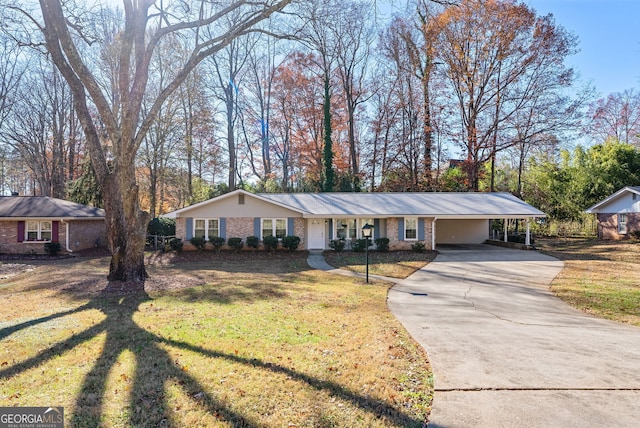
x=506, y=353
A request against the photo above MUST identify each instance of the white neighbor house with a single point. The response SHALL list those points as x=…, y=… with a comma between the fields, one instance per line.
x=317, y=218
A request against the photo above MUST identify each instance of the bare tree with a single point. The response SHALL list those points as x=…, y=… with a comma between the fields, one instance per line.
x=616, y=116
x=119, y=112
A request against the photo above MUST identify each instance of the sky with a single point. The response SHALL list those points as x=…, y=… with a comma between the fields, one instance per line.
x=609, y=40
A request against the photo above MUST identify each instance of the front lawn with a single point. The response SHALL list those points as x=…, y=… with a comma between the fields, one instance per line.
x=599, y=277
x=250, y=340
x=392, y=264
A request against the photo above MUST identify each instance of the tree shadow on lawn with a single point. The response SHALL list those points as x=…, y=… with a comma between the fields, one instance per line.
x=154, y=368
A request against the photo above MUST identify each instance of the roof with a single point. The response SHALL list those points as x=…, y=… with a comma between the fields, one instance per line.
x=45, y=207
x=613, y=197
x=381, y=205
x=431, y=204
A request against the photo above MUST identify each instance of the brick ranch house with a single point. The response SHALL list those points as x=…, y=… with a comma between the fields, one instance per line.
x=318, y=218
x=28, y=222
x=619, y=214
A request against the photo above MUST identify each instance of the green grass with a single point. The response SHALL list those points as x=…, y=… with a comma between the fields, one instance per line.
x=599, y=277
x=270, y=343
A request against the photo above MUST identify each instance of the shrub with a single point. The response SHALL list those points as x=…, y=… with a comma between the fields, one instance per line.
x=217, y=242
x=337, y=245
x=636, y=234
x=162, y=226
x=176, y=244
x=382, y=244
x=359, y=245
x=291, y=242
x=418, y=247
x=270, y=243
x=235, y=244
x=198, y=242
x=253, y=242
x=52, y=248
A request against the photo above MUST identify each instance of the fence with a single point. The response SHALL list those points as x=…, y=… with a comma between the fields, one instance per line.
x=158, y=241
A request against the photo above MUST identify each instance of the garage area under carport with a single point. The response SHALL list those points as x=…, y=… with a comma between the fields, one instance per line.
x=474, y=230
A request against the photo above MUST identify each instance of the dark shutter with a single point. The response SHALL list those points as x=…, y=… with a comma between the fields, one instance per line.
x=290, y=226
x=401, y=229
x=21, y=231
x=189, y=228
x=256, y=227
x=55, y=230
x=421, y=229
x=223, y=228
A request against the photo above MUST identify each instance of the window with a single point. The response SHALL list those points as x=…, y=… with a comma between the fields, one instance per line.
x=274, y=227
x=38, y=230
x=351, y=228
x=622, y=223
x=206, y=228
x=411, y=229
x=346, y=228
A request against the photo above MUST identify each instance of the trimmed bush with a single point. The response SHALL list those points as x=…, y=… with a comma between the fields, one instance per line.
x=253, y=242
x=419, y=247
x=382, y=244
x=235, y=244
x=291, y=242
x=52, y=248
x=198, y=242
x=270, y=243
x=635, y=234
x=217, y=242
x=176, y=244
x=359, y=245
x=337, y=245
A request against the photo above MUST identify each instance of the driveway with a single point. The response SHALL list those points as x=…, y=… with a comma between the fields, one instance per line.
x=506, y=353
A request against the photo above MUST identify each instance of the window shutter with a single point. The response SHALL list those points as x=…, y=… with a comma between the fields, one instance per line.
x=376, y=228
x=21, y=231
x=256, y=227
x=330, y=228
x=400, y=228
x=189, y=228
x=420, y=229
x=223, y=228
x=290, y=226
x=55, y=227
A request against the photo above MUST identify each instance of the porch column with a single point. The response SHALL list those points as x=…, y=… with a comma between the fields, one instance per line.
x=505, y=230
x=433, y=234
x=527, y=239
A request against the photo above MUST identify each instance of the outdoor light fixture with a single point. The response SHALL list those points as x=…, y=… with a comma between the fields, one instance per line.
x=367, y=230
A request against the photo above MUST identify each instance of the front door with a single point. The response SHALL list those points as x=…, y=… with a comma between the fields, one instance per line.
x=316, y=234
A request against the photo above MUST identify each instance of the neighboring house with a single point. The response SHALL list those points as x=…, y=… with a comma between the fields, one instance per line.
x=619, y=214
x=318, y=218
x=27, y=222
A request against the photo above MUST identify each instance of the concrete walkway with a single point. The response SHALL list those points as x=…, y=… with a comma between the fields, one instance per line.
x=506, y=353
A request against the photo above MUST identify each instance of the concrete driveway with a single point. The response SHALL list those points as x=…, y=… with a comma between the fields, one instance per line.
x=506, y=353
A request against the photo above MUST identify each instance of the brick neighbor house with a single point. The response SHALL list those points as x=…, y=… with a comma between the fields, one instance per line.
x=28, y=222
x=619, y=214
x=318, y=218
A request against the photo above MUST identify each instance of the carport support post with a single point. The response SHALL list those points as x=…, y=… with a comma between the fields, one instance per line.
x=527, y=239
x=505, y=230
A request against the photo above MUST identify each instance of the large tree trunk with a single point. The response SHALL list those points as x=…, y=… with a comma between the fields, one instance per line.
x=126, y=234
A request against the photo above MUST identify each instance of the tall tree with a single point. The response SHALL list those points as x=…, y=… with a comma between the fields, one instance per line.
x=494, y=53
x=146, y=24
x=617, y=116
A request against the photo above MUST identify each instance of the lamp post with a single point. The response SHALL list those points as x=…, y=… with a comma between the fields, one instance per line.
x=367, y=229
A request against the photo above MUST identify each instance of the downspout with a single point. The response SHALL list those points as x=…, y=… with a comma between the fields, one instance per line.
x=66, y=234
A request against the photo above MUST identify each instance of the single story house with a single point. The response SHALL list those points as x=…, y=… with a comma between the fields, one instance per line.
x=619, y=214
x=318, y=218
x=27, y=222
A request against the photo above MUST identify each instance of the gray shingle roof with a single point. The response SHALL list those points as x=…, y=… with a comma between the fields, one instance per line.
x=45, y=207
x=493, y=205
